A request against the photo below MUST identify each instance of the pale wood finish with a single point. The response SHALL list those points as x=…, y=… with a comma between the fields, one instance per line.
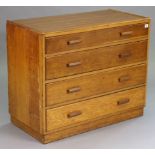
x=93, y=125
x=98, y=123
x=94, y=108
x=73, y=73
x=56, y=25
x=57, y=92
x=95, y=59
x=93, y=96
x=124, y=41
x=24, y=75
x=39, y=136
x=87, y=39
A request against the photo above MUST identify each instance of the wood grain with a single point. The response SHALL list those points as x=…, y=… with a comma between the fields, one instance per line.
x=87, y=39
x=71, y=23
x=95, y=59
x=94, y=108
x=119, y=42
x=94, y=84
x=98, y=123
x=24, y=75
x=73, y=73
x=92, y=125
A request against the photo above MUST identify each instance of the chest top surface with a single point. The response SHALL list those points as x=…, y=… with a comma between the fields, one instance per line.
x=81, y=21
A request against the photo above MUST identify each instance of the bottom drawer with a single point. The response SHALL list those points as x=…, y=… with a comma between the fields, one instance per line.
x=94, y=108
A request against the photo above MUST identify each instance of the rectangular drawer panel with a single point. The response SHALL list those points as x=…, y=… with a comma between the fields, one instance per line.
x=97, y=107
x=95, y=59
x=93, y=38
x=94, y=84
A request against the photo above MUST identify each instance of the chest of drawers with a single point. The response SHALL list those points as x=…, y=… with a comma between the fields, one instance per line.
x=73, y=73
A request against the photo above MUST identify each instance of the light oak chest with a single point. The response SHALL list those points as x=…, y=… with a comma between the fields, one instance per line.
x=74, y=73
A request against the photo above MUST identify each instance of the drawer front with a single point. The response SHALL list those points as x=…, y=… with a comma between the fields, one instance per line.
x=94, y=84
x=95, y=59
x=79, y=112
x=93, y=38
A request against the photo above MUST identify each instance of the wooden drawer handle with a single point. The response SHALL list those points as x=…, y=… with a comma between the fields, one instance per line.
x=74, y=64
x=73, y=90
x=124, y=55
x=74, y=113
x=72, y=42
x=124, y=78
x=126, y=33
x=123, y=101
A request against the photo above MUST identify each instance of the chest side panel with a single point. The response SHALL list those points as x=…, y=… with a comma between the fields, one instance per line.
x=24, y=75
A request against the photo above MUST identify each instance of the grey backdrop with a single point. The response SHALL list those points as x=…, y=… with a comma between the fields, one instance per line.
x=136, y=133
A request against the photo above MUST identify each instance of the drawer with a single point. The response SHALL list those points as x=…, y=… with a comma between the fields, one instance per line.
x=95, y=59
x=93, y=38
x=79, y=112
x=94, y=84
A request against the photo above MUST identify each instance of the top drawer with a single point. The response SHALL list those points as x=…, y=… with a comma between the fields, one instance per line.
x=93, y=38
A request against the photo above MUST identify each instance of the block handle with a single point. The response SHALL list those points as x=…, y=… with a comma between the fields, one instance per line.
x=124, y=78
x=73, y=42
x=124, y=54
x=73, y=90
x=74, y=114
x=123, y=101
x=126, y=33
x=73, y=64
